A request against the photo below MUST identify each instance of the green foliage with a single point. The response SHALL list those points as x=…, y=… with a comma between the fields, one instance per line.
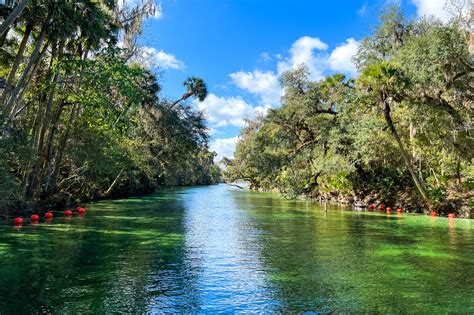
x=196, y=87
x=84, y=121
x=404, y=125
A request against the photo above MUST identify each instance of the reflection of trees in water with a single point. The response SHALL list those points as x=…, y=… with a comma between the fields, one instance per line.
x=146, y=254
x=290, y=253
x=173, y=287
x=33, y=269
x=349, y=261
x=108, y=262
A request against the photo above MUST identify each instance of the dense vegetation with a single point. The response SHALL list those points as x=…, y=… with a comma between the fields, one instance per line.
x=80, y=118
x=398, y=134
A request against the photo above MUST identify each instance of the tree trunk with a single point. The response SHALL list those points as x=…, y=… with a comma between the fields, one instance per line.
x=20, y=84
x=50, y=145
x=41, y=154
x=61, y=150
x=114, y=183
x=406, y=157
x=16, y=63
x=183, y=98
x=3, y=38
x=14, y=112
x=12, y=17
x=53, y=172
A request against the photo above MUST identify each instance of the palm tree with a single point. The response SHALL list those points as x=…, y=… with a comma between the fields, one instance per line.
x=196, y=88
x=386, y=82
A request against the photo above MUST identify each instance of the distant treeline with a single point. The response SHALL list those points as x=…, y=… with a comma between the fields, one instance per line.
x=80, y=117
x=400, y=133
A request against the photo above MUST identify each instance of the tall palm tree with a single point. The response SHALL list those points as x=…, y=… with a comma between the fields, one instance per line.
x=386, y=82
x=196, y=88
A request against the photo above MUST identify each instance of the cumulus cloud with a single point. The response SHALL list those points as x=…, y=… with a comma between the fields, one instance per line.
x=152, y=58
x=432, y=8
x=310, y=51
x=306, y=50
x=233, y=110
x=263, y=84
x=341, y=57
x=224, y=147
x=225, y=111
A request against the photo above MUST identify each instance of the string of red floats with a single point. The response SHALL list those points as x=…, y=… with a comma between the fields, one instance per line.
x=48, y=216
x=399, y=210
x=81, y=211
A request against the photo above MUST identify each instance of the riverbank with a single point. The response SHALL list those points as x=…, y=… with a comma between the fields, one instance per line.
x=398, y=132
x=40, y=207
x=457, y=202
x=69, y=134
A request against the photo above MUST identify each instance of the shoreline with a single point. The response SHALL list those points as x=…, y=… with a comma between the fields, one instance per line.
x=407, y=202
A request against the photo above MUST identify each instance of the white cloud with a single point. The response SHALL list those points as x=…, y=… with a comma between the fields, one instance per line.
x=432, y=8
x=305, y=51
x=263, y=84
x=213, y=131
x=225, y=111
x=340, y=59
x=310, y=51
x=224, y=147
x=152, y=58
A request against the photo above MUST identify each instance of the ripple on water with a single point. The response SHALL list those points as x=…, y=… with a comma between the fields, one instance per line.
x=218, y=249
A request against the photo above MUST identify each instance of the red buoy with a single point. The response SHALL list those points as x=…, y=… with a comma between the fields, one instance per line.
x=371, y=207
x=48, y=215
x=68, y=213
x=381, y=207
x=18, y=221
x=399, y=210
x=388, y=209
x=434, y=213
x=451, y=215
x=34, y=218
x=81, y=210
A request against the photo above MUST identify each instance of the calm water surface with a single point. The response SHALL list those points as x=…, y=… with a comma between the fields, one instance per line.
x=220, y=249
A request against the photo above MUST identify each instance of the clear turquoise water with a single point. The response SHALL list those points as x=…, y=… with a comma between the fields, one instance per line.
x=220, y=249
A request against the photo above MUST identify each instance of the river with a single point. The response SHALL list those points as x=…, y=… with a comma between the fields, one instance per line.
x=222, y=249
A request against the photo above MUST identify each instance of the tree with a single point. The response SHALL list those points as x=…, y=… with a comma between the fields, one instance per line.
x=384, y=81
x=21, y=5
x=70, y=132
x=196, y=87
x=400, y=133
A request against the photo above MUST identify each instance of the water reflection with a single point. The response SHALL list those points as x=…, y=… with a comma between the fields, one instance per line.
x=223, y=251
x=344, y=261
x=216, y=248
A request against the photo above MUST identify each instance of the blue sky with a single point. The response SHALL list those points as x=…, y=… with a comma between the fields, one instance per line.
x=239, y=47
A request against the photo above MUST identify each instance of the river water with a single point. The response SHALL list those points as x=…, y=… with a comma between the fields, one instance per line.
x=221, y=249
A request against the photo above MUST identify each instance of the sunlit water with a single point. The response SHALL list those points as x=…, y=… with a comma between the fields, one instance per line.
x=221, y=249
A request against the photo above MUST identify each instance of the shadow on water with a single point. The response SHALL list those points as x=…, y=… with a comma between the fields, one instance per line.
x=222, y=249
